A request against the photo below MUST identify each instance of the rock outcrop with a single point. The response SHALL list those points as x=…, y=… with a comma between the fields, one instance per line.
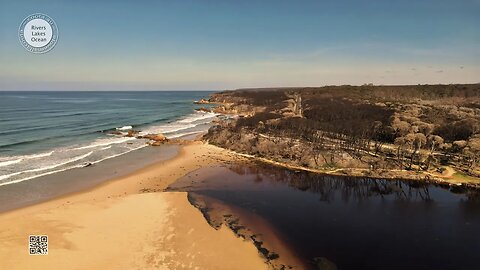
x=115, y=132
x=203, y=109
x=201, y=101
x=155, y=139
x=373, y=129
x=132, y=133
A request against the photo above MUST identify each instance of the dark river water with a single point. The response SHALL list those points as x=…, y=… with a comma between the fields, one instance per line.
x=354, y=223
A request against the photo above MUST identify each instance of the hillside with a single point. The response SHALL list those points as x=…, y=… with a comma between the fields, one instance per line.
x=422, y=131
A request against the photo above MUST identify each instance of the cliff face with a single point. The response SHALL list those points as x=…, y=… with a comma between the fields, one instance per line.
x=249, y=102
x=366, y=127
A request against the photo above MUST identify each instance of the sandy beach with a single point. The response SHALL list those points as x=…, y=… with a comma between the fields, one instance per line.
x=128, y=223
x=292, y=135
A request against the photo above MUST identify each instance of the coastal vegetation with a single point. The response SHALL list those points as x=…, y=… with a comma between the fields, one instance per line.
x=418, y=132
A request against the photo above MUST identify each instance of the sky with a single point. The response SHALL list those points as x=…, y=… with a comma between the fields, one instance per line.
x=216, y=45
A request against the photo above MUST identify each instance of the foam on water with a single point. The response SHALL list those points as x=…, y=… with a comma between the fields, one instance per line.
x=55, y=165
x=198, y=116
x=6, y=161
x=186, y=126
x=105, y=142
x=16, y=169
x=10, y=162
x=124, y=128
x=39, y=155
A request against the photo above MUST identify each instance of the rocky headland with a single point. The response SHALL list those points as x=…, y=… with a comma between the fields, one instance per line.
x=421, y=132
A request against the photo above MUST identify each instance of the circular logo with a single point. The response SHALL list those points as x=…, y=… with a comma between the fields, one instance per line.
x=38, y=33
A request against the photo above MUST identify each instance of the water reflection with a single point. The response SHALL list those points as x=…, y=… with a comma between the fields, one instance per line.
x=358, y=223
x=350, y=188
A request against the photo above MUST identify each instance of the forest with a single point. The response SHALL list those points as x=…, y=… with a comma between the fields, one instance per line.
x=420, y=128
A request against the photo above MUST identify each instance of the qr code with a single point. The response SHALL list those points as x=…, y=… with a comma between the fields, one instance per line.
x=38, y=244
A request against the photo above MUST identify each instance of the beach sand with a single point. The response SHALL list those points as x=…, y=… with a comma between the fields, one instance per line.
x=128, y=223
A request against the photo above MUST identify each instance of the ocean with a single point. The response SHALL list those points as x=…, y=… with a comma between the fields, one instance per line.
x=43, y=133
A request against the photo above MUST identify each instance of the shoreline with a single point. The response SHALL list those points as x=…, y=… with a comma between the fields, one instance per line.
x=450, y=176
x=49, y=187
x=325, y=218
x=425, y=177
x=128, y=209
x=143, y=192
x=254, y=228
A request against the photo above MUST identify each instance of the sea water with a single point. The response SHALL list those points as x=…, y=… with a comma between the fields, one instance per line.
x=47, y=132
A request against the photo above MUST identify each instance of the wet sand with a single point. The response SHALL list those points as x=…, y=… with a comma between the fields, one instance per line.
x=128, y=223
x=312, y=221
x=248, y=225
x=51, y=186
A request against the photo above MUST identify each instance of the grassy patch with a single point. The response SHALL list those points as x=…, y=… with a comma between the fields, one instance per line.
x=463, y=177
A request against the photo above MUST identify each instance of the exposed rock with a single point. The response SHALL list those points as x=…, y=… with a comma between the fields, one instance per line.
x=155, y=143
x=156, y=139
x=132, y=133
x=201, y=101
x=115, y=132
x=381, y=130
x=203, y=109
x=220, y=109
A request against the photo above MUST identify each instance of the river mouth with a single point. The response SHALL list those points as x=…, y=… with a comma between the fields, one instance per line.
x=304, y=220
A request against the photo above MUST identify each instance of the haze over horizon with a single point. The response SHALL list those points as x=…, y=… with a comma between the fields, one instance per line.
x=215, y=45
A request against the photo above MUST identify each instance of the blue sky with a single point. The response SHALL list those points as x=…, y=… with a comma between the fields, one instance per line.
x=168, y=45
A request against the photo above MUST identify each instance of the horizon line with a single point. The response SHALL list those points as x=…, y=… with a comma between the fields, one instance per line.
x=226, y=89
